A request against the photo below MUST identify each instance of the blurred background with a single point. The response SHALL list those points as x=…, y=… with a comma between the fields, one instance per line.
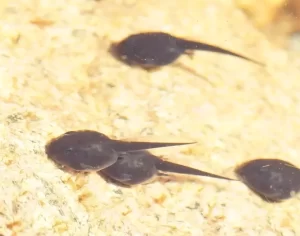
x=279, y=19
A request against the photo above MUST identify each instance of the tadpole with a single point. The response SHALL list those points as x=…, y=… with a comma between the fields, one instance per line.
x=150, y=50
x=141, y=167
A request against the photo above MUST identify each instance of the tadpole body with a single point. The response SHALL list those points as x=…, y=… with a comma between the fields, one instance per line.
x=155, y=49
x=272, y=179
x=132, y=168
x=82, y=150
x=87, y=150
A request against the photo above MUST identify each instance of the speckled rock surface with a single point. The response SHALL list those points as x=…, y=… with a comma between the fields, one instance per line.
x=56, y=75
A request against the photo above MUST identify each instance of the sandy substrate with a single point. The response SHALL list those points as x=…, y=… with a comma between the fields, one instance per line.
x=56, y=75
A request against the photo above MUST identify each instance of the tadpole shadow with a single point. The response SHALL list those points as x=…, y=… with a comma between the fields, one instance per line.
x=70, y=170
x=176, y=178
x=113, y=181
x=193, y=72
x=264, y=198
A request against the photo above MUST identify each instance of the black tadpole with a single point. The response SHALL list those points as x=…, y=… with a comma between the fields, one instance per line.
x=141, y=167
x=155, y=49
x=87, y=150
x=272, y=179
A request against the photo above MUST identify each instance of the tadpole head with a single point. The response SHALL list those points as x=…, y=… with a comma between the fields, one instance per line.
x=121, y=53
x=82, y=150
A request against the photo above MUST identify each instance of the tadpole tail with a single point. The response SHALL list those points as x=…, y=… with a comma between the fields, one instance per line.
x=191, y=45
x=166, y=166
x=126, y=146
